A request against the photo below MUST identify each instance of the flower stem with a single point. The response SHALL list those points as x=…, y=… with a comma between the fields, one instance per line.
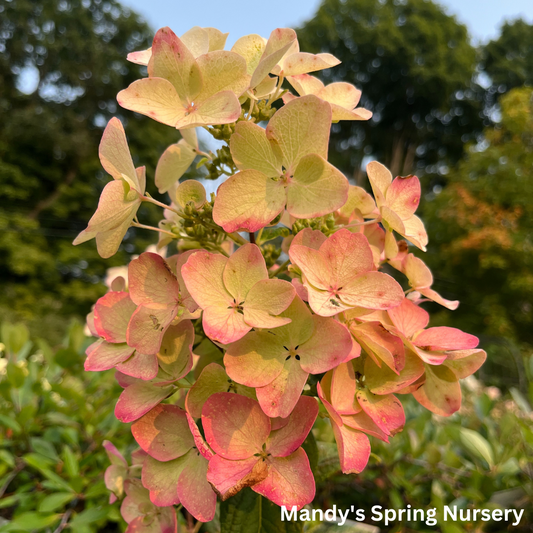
x=148, y=198
x=144, y=226
x=235, y=237
x=279, y=270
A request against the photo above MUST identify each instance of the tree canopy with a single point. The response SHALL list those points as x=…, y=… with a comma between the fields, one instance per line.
x=414, y=65
x=481, y=226
x=61, y=65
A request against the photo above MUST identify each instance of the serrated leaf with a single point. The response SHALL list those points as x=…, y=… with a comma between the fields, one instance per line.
x=55, y=501
x=248, y=511
x=477, y=445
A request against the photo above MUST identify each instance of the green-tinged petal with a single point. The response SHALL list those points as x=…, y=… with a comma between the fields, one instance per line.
x=175, y=353
x=251, y=150
x=137, y=399
x=194, y=491
x=256, y=359
x=306, y=84
x=301, y=127
x=279, y=397
x=380, y=179
x=340, y=113
x=354, y=449
x=163, y=433
x=289, y=482
x=174, y=162
x=173, y=61
x=348, y=255
x=372, y=290
x=115, y=154
x=217, y=39
x=154, y=97
x=303, y=63
x=222, y=71
x=265, y=300
x=468, y=364
x=141, y=57
x=221, y=108
x=224, y=324
x=279, y=42
x=151, y=282
x=161, y=479
x=248, y=201
x=112, y=313
x=196, y=40
x=202, y=274
x=235, y=427
x=243, y=270
x=316, y=189
x=385, y=411
x=251, y=47
x=213, y=379
x=441, y=391
x=190, y=191
x=329, y=346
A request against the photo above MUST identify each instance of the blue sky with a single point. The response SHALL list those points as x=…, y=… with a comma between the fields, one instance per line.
x=239, y=17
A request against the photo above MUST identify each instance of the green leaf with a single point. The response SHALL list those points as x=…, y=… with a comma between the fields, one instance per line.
x=520, y=400
x=477, y=445
x=7, y=458
x=31, y=521
x=55, y=501
x=9, y=422
x=272, y=233
x=311, y=449
x=89, y=516
x=15, y=375
x=71, y=462
x=44, y=448
x=248, y=511
x=37, y=460
x=10, y=501
x=328, y=461
x=67, y=358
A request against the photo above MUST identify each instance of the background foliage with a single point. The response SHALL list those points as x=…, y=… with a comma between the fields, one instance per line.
x=432, y=93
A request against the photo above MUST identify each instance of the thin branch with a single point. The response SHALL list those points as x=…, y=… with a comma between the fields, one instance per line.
x=144, y=226
x=251, y=235
x=64, y=521
x=20, y=466
x=50, y=200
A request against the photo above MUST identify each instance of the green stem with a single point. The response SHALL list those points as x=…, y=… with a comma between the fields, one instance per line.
x=365, y=223
x=280, y=269
x=144, y=226
x=235, y=237
x=148, y=198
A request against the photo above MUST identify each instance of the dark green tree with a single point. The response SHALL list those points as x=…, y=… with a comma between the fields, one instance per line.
x=481, y=228
x=62, y=62
x=414, y=65
x=508, y=60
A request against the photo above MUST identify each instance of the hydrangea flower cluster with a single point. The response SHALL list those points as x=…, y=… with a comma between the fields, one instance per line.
x=279, y=306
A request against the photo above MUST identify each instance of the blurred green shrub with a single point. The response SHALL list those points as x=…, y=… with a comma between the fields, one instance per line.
x=481, y=457
x=53, y=419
